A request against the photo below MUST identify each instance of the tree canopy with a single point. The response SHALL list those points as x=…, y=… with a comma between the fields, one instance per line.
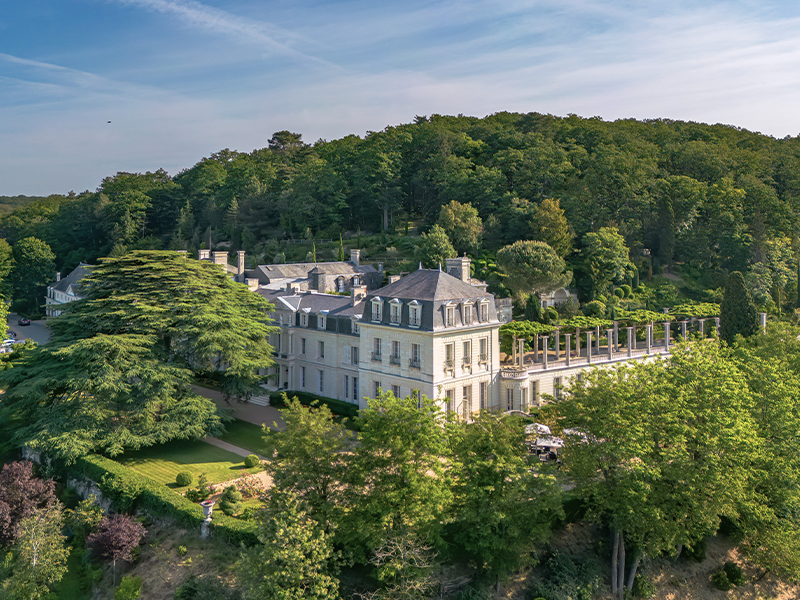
x=532, y=266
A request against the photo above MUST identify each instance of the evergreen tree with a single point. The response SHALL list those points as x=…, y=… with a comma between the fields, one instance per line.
x=737, y=312
x=533, y=309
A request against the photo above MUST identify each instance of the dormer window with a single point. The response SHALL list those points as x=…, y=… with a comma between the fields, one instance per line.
x=395, y=306
x=321, y=319
x=377, y=310
x=414, y=312
x=303, y=319
x=484, y=311
x=450, y=315
x=466, y=313
x=355, y=324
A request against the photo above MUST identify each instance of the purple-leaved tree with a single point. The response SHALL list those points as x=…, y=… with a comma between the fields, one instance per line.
x=116, y=537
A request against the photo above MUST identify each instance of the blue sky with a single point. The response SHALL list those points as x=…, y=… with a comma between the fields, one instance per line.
x=180, y=79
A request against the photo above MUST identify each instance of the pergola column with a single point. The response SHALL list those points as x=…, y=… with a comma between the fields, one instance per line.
x=597, y=341
x=536, y=348
x=716, y=324
x=589, y=347
x=616, y=337
x=667, y=334
x=577, y=342
x=702, y=328
x=683, y=330
x=649, y=336
x=558, y=344
x=545, y=339
x=569, y=348
x=610, y=333
x=631, y=340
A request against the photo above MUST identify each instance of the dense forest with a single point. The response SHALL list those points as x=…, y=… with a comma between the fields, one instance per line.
x=694, y=199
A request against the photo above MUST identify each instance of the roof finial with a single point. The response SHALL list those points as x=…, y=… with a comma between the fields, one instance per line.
x=420, y=266
x=440, y=266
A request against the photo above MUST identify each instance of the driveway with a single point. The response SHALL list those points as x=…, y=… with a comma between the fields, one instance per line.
x=36, y=331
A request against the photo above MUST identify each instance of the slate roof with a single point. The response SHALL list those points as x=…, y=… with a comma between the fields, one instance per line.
x=72, y=280
x=266, y=273
x=429, y=284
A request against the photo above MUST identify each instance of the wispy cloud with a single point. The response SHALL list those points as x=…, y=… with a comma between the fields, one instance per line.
x=219, y=21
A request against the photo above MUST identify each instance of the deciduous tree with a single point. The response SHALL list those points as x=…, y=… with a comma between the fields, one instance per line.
x=115, y=539
x=532, y=267
x=462, y=225
x=34, y=268
x=434, y=248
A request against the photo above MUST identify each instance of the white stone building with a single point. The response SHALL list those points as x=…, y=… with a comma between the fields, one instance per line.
x=64, y=290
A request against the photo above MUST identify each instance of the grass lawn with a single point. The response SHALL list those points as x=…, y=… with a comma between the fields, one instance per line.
x=245, y=435
x=162, y=463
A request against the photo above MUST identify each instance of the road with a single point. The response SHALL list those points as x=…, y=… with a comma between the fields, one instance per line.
x=37, y=330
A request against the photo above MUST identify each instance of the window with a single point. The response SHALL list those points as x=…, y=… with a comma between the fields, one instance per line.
x=355, y=388
x=484, y=350
x=394, y=358
x=535, y=392
x=414, y=361
x=466, y=311
x=321, y=321
x=396, y=391
x=302, y=345
x=467, y=350
x=346, y=386
x=449, y=360
x=303, y=320
x=376, y=349
x=509, y=399
x=321, y=349
x=484, y=392
x=413, y=314
x=303, y=377
x=417, y=397
x=377, y=312
x=448, y=394
x=484, y=312
x=377, y=386
x=354, y=355
x=356, y=328
x=450, y=316
x=557, y=388
x=466, y=401
x=394, y=311
x=321, y=381
x=523, y=404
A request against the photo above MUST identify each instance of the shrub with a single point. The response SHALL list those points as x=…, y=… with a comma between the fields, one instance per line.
x=251, y=461
x=129, y=589
x=251, y=486
x=231, y=501
x=552, y=313
x=720, y=581
x=734, y=573
x=182, y=551
x=619, y=293
x=594, y=309
x=697, y=551
x=196, y=588
x=626, y=290
x=566, y=579
x=122, y=491
x=202, y=491
x=184, y=478
x=643, y=587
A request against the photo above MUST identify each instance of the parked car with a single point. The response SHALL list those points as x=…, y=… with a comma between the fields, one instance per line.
x=24, y=321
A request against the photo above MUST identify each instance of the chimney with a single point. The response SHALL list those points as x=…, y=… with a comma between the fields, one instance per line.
x=221, y=258
x=58, y=276
x=357, y=294
x=204, y=255
x=355, y=257
x=393, y=278
x=459, y=268
x=240, y=266
x=380, y=267
x=252, y=284
x=183, y=253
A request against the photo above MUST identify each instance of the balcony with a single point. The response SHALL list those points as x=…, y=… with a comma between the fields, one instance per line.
x=484, y=358
x=449, y=364
x=394, y=319
x=467, y=361
x=413, y=363
x=394, y=359
x=376, y=357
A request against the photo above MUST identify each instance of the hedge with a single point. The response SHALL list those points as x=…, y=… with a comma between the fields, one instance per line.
x=159, y=500
x=338, y=407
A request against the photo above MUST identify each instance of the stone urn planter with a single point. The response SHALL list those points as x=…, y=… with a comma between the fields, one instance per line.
x=208, y=507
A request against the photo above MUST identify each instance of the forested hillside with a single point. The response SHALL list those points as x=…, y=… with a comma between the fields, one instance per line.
x=710, y=199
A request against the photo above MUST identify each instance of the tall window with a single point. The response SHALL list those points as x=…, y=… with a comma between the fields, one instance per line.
x=302, y=345
x=466, y=309
x=321, y=381
x=321, y=322
x=355, y=388
x=557, y=388
x=448, y=394
x=376, y=349
x=467, y=352
x=354, y=355
x=377, y=386
x=321, y=349
x=303, y=320
x=303, y=377
x=450, y=316
x=466, y=401
x=346, y=386
x=484, y=312
x=377, y=312
x=449, y=360
x=395, y=356
x=523, y=404
x=396, y=391
x=413, y=316
x=414, y=362
x=484, y=392
x=394, y=313
x=484, y=349
x=509, y=399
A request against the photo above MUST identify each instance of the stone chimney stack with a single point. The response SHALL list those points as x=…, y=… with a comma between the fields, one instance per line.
x=358, y=293
x=221, y=258
x=459, y=268
x=240, y=266
x=355, y=257
x=204, y=255
x=252, y=284
x=58, y=276
x=393, y=278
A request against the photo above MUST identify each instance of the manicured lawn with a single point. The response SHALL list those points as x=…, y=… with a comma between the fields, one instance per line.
x=162, y=463
x=245, y=435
